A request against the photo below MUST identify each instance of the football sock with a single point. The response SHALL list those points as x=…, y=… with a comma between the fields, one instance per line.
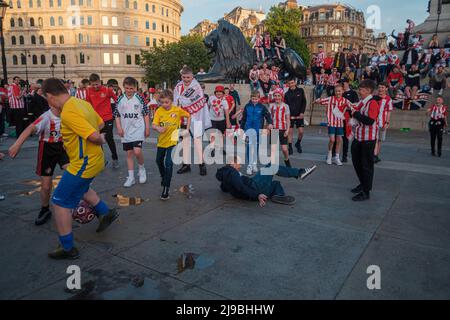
x=131, y=173
x=66, y=241
x=101, y=208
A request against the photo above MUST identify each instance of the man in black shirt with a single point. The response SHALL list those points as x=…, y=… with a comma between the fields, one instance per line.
x=296, y=100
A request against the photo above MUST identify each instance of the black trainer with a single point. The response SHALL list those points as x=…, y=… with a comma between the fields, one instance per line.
x=357, y=190
x=344, y=160
x=306, y=172
x=291, y=150
x=60, y=254
x=284, y=200
x=298, y=145
x=362, y=196
x=105, y=221
x=184, y=169
x=165, y=194
x=203, y=170
x=44, y=216
x=287, y=163
x=376, y=159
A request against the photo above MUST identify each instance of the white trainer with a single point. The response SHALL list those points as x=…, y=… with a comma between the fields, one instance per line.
x=255, y=168
x=142, y=176
x=130, y=182
x=249, y=170
x=329, y=160
x=337, y=161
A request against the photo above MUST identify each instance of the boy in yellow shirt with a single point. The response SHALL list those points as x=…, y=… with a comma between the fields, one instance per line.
x=166, y=121
x=80, y=129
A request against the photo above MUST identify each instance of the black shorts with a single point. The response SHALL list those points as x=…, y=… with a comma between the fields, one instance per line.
x=131, y=145
x=50, y=155
x=297, y=123
x=219, y=125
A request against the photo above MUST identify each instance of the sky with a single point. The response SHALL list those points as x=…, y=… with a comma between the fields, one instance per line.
x=393, y=13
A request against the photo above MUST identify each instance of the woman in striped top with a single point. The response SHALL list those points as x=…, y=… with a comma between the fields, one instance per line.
x=438, y=120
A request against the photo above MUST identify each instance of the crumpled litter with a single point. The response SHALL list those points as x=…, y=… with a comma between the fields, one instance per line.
x=188, y=190
x=186, y=261
x=124, y=201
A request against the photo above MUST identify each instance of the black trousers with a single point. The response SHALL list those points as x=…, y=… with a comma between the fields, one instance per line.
x=436, y=131
x=109, y=137
x=17, y=116
x=363, y=162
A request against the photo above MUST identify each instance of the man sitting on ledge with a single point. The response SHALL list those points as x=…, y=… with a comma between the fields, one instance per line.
x=260, y=187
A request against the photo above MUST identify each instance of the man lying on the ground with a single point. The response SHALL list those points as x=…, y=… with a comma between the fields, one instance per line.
x=260, y=187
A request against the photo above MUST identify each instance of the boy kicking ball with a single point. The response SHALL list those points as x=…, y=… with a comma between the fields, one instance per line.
x=133, y=125
x=337, y=105
x=51, y=153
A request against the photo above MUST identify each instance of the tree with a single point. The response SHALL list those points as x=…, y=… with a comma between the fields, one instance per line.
x=287, y=21
x=163, y=62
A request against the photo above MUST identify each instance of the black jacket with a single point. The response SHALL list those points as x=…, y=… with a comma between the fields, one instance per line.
x=238, y=186
x=415, y=56
x=296, y=100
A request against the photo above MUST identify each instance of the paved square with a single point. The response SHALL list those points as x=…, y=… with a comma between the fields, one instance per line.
x=318, y=249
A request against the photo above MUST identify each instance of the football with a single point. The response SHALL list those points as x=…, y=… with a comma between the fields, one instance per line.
x=84, y=213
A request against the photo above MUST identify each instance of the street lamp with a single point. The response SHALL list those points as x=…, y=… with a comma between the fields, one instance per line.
x=52, y=67
x=26, y=55
x=3, y=7
x=63, y=62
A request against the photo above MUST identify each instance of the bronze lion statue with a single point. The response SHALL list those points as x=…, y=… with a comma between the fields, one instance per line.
x=234, y=57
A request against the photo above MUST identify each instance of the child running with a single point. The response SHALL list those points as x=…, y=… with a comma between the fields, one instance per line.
x=166, y=121
x=51, y=153
x=133, y=126
x=336, y=108
x=281, y=119
x=219, y=112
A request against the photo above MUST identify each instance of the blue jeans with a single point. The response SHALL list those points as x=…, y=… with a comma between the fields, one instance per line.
x=383, y=70
x=270, y=188
x=165, y=165
x=318, y=91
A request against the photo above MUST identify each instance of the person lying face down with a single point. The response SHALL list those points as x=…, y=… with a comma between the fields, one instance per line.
x=261, y=187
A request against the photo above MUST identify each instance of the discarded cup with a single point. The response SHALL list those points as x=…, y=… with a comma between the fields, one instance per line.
x=124, y=201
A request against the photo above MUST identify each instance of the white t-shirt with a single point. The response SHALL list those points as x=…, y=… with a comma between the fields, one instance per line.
x=131, y=113
x=217, y=108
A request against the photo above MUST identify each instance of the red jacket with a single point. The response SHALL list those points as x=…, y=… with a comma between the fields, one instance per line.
x=101, y=101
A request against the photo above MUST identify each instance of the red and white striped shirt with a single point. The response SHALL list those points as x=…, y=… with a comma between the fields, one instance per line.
x=333, y=79
x=438, y=112
x=393, y=59
x=320, y=59
x=386, y=107
x=258, y=41
x=48, y=127
x=369, y=108
x=279, y=113
x=321, y=79
x=274, y=76
x=15, y=97
x=81, y=93
x=335, y=117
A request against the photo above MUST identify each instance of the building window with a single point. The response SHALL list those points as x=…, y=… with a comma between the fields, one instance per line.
x=154, y=42
x=352, y=31
x=54, y=59
x=137, y=59
x=162, y=11
x=136, y=24
x=43, y=59
x=31, y=22
x=113, y=3
x=104, y=3
x=167, y=29
x=80, y=38
x=136, y=40
x=127, y=4
x=128, y=59
x=114, y=21
x=52, y=21
x=321, y=31
x=135, y=5
x=104, y=20
x=59, y=3
x=147, y=42
x=90, y=20
x=126, y=22
x=38, y=3
x=81, y=57
x=335, y=46
x=63, y=59
x=105, y=38
x=60, y=21
x=153, y=8
x=13, y=40
x=154, y=26
x=41, y=40
x=20, y=22
x=82, y=20
x=40, y=22
x=74, y=21
x=80, y=2
x=147, y=7
x=336, y=32
x=72, y=2
x=106, y=58
x=30, y=3
x=15, y=62
x=322, y=16
x=128, y=40
x=115, y=39
x=147, y=24
x=50, y=3
x=34, y=59
x=61, y=39
x=19, y=6
x=21, y=40
x=162, y=28
x=33, y=40
x=23, y=59
x=116, y=59
x=12, y=22
x=167, y=12
x=53, y=41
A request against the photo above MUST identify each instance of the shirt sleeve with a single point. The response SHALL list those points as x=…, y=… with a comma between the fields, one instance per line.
x=374, y=110
x=116, y=112
x=184, y=113
x=112, y=94
x=145, y=110
x=40, y=124
x=78, y=124
x=156, y=118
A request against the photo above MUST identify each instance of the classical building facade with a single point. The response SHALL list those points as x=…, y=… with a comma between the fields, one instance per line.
x=203, y=28
x=248, y=20
x=332, y=26
x=72, y=38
